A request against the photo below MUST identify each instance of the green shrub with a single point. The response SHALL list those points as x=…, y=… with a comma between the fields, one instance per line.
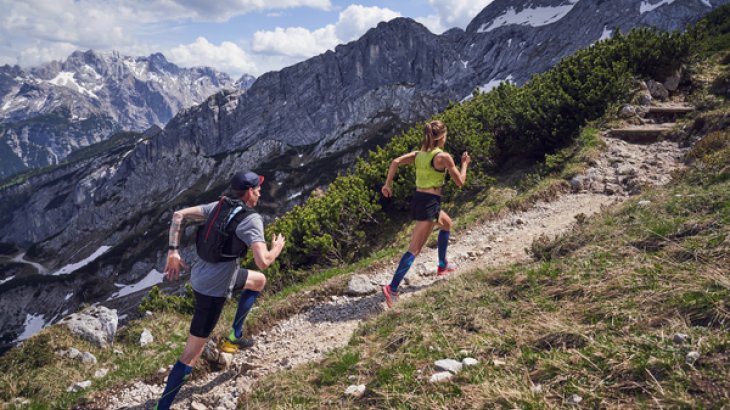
x=155, y=301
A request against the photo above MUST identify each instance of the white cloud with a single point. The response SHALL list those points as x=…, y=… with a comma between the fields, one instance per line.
x=457, y=13
x=353, y=22
x=433, y=23
x=36, y=55
x=35, y=31
x=221, y=10
x=295, y=41
x=227, y=57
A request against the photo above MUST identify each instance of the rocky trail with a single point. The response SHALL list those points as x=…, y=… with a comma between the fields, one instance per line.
x=621, y=171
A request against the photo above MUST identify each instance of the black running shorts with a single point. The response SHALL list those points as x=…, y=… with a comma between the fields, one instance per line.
x=207, y=312
x=425, y=207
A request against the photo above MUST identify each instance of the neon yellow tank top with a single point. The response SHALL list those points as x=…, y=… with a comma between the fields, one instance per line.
x=426, y=175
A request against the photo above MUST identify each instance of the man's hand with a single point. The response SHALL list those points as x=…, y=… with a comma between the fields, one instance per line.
x=277, y=243
x=387, y=191
x=174, y=265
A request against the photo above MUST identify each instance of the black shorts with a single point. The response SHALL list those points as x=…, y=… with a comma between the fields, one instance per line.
x=425, y=207
x=208, y=308
x=207, y=312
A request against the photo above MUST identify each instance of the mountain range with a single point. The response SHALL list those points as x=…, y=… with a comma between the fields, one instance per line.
x=102, y=219
x=47, y=112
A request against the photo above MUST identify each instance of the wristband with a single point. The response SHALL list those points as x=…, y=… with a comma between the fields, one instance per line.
x=172, y=248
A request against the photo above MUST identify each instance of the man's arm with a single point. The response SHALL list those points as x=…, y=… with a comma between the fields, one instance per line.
x=265, y=257
x=174, y=262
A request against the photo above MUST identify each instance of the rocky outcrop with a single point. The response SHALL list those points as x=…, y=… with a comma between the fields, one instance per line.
x=97, y=325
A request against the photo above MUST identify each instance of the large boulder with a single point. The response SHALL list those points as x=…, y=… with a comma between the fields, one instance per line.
x=96, y=324
x=657, y=90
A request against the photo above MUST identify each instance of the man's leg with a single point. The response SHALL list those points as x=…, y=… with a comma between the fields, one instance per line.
x=207, y=311
x=253, y=283
x=181, y=370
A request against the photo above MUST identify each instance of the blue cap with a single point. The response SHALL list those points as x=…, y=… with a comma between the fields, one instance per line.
x=244, y=180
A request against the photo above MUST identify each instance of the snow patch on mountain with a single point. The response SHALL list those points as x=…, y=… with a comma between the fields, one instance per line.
x=153, y=278
x=72, y=267
x=33, y=324
x=66, y=79
x=530, y=16
x=606, y=33
x=646, y=7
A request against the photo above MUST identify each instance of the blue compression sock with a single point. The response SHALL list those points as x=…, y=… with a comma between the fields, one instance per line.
x=443, y=243
x=245, y=303
x=405, y=263
x=178, y=375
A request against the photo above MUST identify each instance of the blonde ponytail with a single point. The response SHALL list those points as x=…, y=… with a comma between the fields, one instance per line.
x=433, y=132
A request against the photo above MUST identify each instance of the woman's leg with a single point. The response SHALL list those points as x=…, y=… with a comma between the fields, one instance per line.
x=418, y=239
x=444, y=222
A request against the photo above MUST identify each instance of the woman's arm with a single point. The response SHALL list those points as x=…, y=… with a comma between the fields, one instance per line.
x=444, y=161
x=409, y=158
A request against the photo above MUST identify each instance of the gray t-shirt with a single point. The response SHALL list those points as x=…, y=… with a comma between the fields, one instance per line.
x=212, y=279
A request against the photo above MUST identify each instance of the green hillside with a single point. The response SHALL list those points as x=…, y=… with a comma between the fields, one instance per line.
x=593, y=316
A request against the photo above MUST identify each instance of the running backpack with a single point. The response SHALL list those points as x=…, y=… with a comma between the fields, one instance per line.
x=216, y=241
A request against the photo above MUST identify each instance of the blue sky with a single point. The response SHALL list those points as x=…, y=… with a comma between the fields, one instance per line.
x=234, y=36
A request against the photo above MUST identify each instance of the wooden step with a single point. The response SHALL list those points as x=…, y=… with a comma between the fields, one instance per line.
x=645, y=134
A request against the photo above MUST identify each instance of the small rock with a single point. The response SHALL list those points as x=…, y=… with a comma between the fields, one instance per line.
x=210, y=353
x=644, y=203
x=118, y=352
x=360, y=285
x=355, y=390
x=574, y=400
x=441, y=377
x=198, y=406
x=449, y=365
x=162, y=370
x=469, y=361
x=88, y=358
x=464, y=352
x=628, y=111
x=351, y=377
x=536, y=388
x=645, y=99
x=692, y=357
x=500, y=239
x=147, y=313
x=680, y=338
x=77, y=387
x=498, y=362
x=225, y=359
x=101, y=373
x=145, y=338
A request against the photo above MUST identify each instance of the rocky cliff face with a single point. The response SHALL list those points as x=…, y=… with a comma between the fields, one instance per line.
x=297, y=126
x=48, y=112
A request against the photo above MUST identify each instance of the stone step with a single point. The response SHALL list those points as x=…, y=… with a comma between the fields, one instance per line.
x=645, y=134
x=670, y=109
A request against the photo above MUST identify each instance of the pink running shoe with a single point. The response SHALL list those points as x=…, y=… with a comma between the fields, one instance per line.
x=390, y=296
x=450, y=267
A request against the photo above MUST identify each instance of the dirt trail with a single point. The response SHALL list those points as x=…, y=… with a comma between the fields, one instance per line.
x=621, y=171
